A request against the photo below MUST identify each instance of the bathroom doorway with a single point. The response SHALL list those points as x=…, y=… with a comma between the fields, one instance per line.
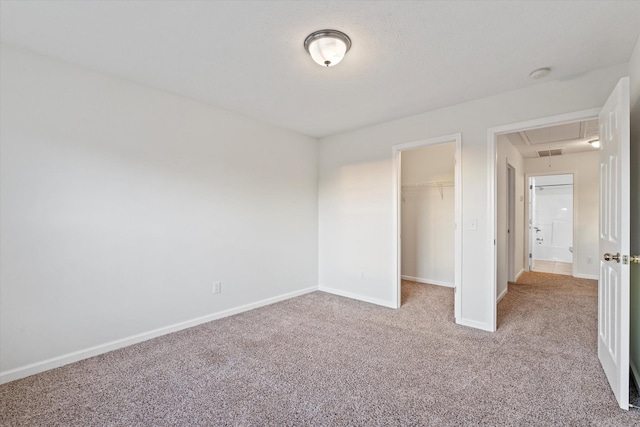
x=551, y=213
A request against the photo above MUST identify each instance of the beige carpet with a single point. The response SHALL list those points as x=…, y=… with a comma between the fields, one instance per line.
x=546, y=278
x=321, y=359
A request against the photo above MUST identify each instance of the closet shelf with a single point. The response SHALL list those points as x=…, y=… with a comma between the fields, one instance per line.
x=430, y=184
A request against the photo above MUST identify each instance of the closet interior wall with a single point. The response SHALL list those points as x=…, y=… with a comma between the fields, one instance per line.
x=428, y=212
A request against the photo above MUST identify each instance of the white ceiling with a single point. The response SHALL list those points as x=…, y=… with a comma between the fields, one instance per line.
x=407, y=57
x=568, y=137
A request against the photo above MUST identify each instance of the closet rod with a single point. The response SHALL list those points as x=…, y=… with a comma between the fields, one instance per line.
x=431, y=184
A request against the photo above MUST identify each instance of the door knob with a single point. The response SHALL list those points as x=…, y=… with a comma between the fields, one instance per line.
x=634, y=259
x=609, y=257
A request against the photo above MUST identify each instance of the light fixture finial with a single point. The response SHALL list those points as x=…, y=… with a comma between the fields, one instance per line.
x=540, y=73
x=327, y=47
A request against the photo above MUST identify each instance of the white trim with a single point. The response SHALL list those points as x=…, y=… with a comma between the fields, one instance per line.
x=543, y=122
x=492, y=153
x=510, y=237
x=397, y=204
x=475, y=324
x=359, y=297
x=519, y=274
x=502, y=294
x=492, y=216
x=429, y=281
x=55, y=362
x=458, y=232
x=575, y=200
x=397, y=183
x=586, y=276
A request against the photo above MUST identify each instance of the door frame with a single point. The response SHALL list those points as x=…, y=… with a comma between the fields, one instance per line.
x=492, y=179
x=511, y=222
x=527, y=241
x=397, y=212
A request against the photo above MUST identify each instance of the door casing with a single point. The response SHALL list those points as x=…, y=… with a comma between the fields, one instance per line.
x=576, y=183
x=492, y=179
x=511, y=222
x=397, y=200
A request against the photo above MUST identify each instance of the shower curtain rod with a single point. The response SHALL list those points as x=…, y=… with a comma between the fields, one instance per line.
x=554, y=185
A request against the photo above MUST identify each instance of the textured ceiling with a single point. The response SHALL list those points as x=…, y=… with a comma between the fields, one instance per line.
x=407, y=57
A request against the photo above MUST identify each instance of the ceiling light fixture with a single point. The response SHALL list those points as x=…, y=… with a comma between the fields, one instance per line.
x=540, y=73
x=327, y=47
x=595, y=143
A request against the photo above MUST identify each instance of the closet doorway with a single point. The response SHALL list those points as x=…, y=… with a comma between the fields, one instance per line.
x=428, y=213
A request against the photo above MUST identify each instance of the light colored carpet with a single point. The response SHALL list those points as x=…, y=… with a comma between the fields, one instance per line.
x=321, y=359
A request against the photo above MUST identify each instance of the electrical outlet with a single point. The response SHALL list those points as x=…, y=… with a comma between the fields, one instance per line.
x=217, y=287
x=589, y=260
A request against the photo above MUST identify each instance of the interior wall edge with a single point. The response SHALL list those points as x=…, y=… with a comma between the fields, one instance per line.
x=483, y=326
x=359, y=297
x=502, y=294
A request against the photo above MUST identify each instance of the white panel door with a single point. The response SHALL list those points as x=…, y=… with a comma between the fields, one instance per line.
x=613, y=284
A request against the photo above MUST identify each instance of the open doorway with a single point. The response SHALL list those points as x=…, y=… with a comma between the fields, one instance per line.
x=551, y=223
x=428, y=189
x=548, y=146
x=606, y=182
x=427, y=214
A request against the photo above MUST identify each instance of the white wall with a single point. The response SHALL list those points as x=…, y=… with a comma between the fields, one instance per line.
x=356, y=215
x=634, y=75
x=507, y=153
x=586, y=184
x=428, y=215
x=121, y=205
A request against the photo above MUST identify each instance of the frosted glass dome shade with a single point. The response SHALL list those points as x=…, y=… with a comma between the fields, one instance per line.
x=327, y=47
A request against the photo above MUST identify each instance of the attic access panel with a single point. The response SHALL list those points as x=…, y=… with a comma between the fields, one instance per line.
x=559, y=133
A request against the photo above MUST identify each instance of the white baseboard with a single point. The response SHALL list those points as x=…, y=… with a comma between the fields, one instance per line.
x=358, y=297
x=586, y=276
x=55, y=362
x=429, y=281
x=475, y=324
x=519, y=274
x=635, y=374
x=502, y=294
